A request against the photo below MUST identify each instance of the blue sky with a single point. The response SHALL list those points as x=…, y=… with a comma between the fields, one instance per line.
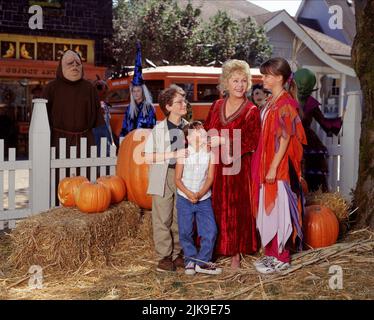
x=290, y=6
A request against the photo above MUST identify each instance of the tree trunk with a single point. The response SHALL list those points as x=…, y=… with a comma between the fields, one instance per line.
x=363, y=59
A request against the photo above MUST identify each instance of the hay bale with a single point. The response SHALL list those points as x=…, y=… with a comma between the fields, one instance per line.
x=65, y=238
x=332, y=200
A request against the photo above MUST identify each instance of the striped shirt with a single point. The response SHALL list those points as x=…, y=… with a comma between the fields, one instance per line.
x=195, y=171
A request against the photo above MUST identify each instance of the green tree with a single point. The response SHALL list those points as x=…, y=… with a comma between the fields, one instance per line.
x=122, y=46
x=217, y=39
x=176, y=34
x=179, y=29
x=164, y=29
x=252, y=44
x=223, y=38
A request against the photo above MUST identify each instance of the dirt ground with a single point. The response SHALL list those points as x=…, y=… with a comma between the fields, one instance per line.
x=132, y=275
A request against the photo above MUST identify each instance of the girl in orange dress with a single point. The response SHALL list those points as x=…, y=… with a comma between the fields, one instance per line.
x=276, y=169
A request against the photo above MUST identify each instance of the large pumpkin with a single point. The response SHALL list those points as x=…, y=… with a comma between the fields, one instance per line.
x=66, y=189
x=92, y=197
x=321, y=227
x=134, y=174
x=116, y=186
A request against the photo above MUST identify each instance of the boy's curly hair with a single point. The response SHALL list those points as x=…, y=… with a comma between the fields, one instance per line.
x=167, y=96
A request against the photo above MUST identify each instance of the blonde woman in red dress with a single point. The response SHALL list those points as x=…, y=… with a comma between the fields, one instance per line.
x=238, y=119
x=277, y=169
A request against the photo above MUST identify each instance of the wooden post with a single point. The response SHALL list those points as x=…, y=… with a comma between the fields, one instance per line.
x=39, y=154
x=350, y=142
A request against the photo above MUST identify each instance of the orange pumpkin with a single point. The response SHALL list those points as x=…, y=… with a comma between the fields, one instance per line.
x=321, y=227
x=92, y=197
x=66, y=189
x=134, y=174
x=116, y=186
x=304, y=186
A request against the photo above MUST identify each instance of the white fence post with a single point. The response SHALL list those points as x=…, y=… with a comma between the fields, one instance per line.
x=350, y=142
x=39, y=154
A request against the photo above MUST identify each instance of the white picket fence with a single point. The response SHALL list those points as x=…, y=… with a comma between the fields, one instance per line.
x=343, y=159
x=42, y=164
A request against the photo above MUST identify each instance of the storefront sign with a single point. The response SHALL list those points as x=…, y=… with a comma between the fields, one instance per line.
x=28, y=72
x=33, y=69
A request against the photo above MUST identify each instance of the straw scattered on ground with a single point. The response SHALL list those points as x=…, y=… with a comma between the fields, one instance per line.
x=131, y=275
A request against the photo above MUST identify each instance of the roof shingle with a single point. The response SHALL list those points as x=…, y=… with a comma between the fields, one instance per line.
x=328, y=44
x=236, y=9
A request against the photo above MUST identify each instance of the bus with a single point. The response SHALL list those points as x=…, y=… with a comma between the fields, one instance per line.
x=199, y=83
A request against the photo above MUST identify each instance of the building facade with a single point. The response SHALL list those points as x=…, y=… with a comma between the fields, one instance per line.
x=29, y=56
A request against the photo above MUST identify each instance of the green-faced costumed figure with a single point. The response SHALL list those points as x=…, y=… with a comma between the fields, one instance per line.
x=315, y=153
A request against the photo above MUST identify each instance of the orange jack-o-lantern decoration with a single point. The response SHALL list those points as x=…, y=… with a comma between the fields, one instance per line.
x=66, y=189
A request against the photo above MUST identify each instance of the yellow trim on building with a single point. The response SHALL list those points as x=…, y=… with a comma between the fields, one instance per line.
x=54, y=40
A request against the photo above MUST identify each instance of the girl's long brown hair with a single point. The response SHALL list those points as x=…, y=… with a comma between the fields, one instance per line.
x=280, y=67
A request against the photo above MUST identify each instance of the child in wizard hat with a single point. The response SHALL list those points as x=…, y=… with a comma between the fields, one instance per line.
x=140, y=113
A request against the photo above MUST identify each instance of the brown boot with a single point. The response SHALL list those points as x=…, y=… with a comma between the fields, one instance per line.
x=166, y=265
x=179, y=261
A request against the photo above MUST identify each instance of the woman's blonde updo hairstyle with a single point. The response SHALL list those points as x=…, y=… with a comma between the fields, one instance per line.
x=229, y=68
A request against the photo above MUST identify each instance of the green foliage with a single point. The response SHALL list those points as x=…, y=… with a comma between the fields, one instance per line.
x=217, y=38
x=252, y=45
x=178, y=35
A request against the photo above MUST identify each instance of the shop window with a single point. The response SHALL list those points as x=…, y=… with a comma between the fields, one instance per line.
x=81, y=49
x=45, y=51
x=8, y=49
x=27, y=50
x=207, y=92
x=330, y=95
x=60, y=48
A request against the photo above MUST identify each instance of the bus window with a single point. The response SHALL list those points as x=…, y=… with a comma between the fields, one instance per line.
x=119, y=96
x=188, y=88
x=155, y=87
x=207, y=92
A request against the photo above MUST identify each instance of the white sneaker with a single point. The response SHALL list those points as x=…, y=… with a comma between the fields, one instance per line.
x=265, y=266
x=189, y=269
x=261, y=261
x=280, y=266
x=271, y=265
x=209, y=268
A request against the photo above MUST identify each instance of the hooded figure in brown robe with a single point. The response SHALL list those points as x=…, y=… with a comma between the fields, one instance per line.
x=73, y=104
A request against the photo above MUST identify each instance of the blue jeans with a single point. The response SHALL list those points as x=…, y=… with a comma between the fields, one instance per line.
x=206, y=228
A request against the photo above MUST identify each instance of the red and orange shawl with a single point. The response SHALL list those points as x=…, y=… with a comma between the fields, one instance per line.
x=282, y=120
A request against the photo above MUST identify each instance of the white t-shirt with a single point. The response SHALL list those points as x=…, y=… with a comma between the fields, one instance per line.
x=195, y=171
